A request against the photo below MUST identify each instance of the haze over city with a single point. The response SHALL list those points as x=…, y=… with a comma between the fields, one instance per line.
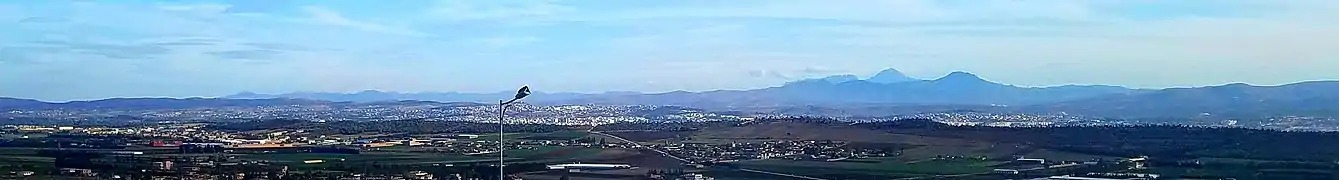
x=73, y=50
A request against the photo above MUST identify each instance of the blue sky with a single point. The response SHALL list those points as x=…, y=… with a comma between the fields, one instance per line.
x=74, y=50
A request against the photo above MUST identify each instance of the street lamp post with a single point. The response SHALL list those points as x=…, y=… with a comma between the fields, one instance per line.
x=501, y=119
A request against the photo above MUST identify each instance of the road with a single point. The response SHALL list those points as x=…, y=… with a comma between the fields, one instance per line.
x=667, y=154
x=639, y=145
x=780, y=174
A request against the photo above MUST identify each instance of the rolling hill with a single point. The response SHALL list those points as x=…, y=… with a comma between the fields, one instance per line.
x=886, y=87
x=958, y=88
x=1316, y=98
x=18, y=103
x=885, y=94
x=789, y=130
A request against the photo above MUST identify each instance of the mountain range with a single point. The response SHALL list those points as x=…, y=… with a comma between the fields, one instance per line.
x=1239, y=100
x=375, y=96
x=963, y=90
x=886, y=87
x=887, y=91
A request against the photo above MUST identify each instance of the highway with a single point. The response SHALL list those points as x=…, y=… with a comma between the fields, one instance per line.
x=780, y=174
x=639, y=145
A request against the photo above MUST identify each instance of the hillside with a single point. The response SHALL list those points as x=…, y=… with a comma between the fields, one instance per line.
x=887, y=87
x=18, y=103
x=927, y=137
x=958, y=88
x=802, y=130
x=1317, y=98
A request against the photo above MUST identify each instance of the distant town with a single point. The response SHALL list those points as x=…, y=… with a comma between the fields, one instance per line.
x=596, y=115
x=195, y=151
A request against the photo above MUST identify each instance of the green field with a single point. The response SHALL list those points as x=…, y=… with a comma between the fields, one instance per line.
x=505, y=136
x=26, y=159
x=885, y=167
x=366, y=158
x=14, y=159
x=534, y=154
x=18, y=151
x=561, y=135
x=1252, y=168
x=17, y=136
x=566, y=154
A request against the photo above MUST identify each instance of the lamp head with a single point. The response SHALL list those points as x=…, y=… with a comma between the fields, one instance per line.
x=524, y=91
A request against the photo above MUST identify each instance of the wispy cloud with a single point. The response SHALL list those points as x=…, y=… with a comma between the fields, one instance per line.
x=105, y=49
x=331, y=17
x=466, y=10
x=596, y=46
x=189, y=42
x=253, y=54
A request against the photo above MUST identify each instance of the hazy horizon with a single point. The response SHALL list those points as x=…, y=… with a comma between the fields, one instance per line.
x=80, y=50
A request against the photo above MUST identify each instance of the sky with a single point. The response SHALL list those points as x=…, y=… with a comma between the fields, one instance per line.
x=77, y=50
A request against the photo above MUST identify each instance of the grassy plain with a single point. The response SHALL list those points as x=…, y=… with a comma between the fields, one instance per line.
x=366, y=158
x=882, y=167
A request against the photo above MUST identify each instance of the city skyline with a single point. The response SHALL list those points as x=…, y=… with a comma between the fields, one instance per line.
x=79, y=50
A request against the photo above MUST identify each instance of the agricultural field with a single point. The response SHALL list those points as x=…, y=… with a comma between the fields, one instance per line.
x=571, y=154
x=650, y=136
x=774, y=131
x=1259, y=169
x=873, y=168
x=365, y=158
x=26, y=159
x=505, y=136
x=561, y=135
x=19, y=136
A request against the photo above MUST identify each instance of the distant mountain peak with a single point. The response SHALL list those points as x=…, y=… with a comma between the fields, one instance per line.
x=960, y=76
x=834, y=79
x=248, y=95
x=1239, y=85
x=890, y=75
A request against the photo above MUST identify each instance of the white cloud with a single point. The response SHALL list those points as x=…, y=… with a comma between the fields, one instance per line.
x=697, y=45
x=881, y=11
x=1033, y=43
x=763, y=73
x=819, y=70
x=331, y=17
x=468, y=10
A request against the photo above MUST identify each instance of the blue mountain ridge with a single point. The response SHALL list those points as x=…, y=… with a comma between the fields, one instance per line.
x=956, y=90
x=888, y=86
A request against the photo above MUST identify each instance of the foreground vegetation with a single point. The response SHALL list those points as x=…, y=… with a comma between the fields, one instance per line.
x=881, y=168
